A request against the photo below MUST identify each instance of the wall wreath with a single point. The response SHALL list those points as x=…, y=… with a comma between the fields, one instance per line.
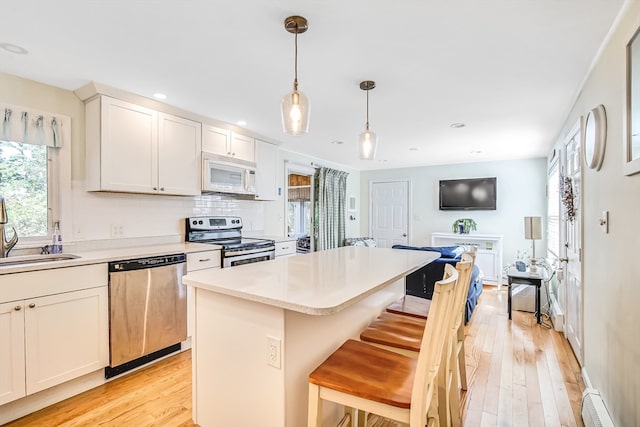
x=566, y=191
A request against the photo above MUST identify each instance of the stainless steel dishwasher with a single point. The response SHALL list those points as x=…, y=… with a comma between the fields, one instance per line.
x=147, y=310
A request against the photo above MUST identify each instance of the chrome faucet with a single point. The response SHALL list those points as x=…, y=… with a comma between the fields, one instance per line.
x=5, y=245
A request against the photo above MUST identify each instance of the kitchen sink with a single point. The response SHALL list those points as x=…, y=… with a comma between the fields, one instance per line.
x=32, y=259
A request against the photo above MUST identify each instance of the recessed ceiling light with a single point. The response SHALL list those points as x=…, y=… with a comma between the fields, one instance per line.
x=457, y=125
x=475, y=152
x=13, y=48
x=159, y=96
x=241, y=123
x=413, y=149
x=337, y=142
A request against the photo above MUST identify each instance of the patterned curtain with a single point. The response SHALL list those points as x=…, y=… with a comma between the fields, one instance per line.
x=331, y=195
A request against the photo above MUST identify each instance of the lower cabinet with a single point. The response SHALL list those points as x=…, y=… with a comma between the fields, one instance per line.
x=285, y=247
x=51, y=339
x=198, y=261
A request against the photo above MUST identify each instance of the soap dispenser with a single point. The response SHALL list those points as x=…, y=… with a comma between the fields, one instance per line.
x=56, y=244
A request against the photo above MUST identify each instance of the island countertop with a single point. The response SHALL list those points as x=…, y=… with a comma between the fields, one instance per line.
x=318, y=283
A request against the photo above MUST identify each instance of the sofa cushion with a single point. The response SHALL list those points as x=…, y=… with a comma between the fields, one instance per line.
x=445, y=251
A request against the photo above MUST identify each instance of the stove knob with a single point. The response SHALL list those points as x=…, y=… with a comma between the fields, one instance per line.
x=194, y=222
x=200, y=222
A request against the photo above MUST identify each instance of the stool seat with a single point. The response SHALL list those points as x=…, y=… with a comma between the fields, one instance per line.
x=395, y=330
x=372, y=373
x=410, y=305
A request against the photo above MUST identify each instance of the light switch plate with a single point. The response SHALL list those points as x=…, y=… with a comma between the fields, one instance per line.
x=604, y=222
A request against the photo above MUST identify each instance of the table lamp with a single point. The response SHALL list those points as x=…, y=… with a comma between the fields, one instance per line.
x=533, y=232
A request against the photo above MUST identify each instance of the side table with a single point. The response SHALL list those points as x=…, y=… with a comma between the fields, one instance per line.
x=516, y=277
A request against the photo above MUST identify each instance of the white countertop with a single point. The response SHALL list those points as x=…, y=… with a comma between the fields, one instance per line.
x=108, y=255
x=318, y=283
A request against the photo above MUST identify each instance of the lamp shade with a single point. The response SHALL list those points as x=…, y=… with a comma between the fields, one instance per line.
x=532, y=227
x=368, y=143
x=295, y=113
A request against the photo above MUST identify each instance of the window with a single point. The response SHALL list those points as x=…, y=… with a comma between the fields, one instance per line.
x=553, y=212
x=24, y=183
x=31, y=161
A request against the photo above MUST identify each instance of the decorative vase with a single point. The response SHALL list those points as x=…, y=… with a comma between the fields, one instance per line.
x=461, y=229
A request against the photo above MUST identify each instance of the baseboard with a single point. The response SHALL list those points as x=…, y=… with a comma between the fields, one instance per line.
x=557, y=316
x=585, y=378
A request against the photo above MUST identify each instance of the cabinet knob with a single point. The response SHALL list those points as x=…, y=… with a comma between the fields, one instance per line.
x=563, y=259
x=155, y=188
x=161, y=188
x=233, y=154
x=17, y=308
x=32, y=305
x=404, y=234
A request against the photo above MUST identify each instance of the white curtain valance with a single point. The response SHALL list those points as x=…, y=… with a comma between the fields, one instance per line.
x=29, y=126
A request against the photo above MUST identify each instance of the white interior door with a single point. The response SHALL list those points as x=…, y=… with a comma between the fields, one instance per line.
x=573, y=246
x=389, y=213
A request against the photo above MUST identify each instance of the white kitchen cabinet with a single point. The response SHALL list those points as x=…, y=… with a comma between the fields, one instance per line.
x=198, y=261
x=12, y=363
x=130, y=148
x=226, y=143
x=54, y=327
x=266, y=170
x=65, y=337
x=179, y=156
x=285, y=247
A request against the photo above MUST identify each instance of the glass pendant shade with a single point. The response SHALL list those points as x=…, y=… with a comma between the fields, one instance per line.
x=295, y=113
x=368, y=143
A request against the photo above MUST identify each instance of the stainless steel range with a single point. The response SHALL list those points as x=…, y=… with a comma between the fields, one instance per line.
x=226, y=231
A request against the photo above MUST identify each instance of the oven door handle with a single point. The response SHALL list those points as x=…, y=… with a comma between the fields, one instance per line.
x=233, y=253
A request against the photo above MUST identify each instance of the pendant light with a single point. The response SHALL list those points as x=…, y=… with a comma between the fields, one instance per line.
x=368, y=141
x=295, y=105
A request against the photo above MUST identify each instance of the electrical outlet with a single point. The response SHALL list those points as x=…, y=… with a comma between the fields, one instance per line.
x=117, y=230
x=274, y=351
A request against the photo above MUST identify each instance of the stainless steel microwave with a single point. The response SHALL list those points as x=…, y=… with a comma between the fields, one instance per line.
x=223, y=175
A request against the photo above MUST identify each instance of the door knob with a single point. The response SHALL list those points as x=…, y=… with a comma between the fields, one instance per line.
x=563, y=259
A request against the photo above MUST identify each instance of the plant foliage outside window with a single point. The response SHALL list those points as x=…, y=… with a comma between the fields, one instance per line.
x=24, y=185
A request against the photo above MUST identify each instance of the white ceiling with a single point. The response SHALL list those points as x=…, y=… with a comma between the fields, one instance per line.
x=508, y=69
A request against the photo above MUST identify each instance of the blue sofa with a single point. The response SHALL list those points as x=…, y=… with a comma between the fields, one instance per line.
x=420, y=283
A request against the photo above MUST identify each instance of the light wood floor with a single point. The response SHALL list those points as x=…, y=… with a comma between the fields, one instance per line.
x=520, y=374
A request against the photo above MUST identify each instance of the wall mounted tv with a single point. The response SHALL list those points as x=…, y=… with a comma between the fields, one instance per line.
x=468, y=194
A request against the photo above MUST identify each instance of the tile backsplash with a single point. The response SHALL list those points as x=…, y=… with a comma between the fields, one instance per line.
x=103, y=216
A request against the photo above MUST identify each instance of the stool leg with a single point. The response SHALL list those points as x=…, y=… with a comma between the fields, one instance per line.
x=462, y=363
x=315, y=407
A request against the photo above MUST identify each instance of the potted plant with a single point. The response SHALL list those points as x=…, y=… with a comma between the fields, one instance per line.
x=464, y=225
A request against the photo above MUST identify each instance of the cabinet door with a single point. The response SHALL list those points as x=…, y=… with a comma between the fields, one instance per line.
x=179, y=148
x=11, y=351
x=66, y=336
x=128, y=147
x=216, y=140
x=242, y=147
x=266, y=162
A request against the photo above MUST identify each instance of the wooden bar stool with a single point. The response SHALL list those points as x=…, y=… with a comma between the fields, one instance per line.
x=402, y=333
x=374, y=380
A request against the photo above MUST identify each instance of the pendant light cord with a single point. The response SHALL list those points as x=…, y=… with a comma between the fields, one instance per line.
x=367, y=124
x=295, y=78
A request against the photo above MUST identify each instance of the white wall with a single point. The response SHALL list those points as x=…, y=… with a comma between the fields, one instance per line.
x=611, y=276
x=520, y=193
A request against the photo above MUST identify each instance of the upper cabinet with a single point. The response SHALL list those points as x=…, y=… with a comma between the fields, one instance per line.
x=130, y=148
x=226, y=143
x=266, y=167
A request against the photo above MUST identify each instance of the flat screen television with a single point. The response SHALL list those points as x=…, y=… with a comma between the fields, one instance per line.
x=468, y=194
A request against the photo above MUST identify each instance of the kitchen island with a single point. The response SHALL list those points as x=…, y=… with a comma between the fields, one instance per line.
x=261, y=328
